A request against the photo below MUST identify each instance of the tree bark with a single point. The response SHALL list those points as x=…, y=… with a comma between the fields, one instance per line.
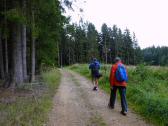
x=32, y=59
x=24, y=40
x=58, y=54
x=6, y=43
x=24, y=50
x=6, y=56
x=33, y=62
x=2, y=75
x=17, y=75
x=69, y=55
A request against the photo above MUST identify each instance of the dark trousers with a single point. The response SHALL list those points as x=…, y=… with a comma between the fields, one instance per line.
x=122, y=91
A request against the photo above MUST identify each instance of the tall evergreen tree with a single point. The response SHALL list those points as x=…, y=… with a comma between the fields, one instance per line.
x=92, y=44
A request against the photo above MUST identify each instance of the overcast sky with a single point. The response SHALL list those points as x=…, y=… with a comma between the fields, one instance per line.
x=147, y=18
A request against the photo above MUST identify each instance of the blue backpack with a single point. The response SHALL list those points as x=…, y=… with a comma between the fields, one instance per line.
x=94, y=65
x=121, y=73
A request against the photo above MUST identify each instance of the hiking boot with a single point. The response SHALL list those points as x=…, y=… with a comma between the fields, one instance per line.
x=123, y=113
x=110, y=106
x=94, y=88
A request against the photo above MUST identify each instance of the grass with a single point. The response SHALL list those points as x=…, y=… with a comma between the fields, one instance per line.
x=52, y=78
x=96, y=120
x=31, y=109
x=147, y=91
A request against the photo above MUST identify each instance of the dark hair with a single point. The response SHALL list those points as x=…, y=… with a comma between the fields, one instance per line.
x=94, y=59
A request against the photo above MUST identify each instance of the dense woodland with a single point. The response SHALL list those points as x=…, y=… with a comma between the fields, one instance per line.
x=34, y=33
x=82, y=42
x=156, y=56
x=30, y=31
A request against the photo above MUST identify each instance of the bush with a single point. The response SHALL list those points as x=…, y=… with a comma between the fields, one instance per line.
x=149, y=95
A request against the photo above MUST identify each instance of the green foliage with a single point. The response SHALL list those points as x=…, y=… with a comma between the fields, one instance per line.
x=156, y=55
x=82, y=42
x=91, y=43
x=15, y=15
x=26, y=112
x=48, y=29
x=141, y=71
x=113, y=42
x=84, y=69
x=146, y=92
x=52, y=78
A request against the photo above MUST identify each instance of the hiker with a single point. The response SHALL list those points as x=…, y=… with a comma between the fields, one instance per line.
x=118, y=80
x=94, y=67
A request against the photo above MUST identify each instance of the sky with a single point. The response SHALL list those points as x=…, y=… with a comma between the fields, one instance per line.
x=148, y=19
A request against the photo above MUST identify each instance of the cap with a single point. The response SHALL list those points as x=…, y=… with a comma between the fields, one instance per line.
x=117, y=59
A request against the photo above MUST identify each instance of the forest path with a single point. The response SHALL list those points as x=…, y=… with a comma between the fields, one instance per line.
x=75, y=104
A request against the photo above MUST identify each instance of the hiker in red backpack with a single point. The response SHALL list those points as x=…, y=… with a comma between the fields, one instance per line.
x=118, y=80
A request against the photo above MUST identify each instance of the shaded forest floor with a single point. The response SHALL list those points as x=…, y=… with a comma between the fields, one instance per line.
x=29, y=105
x=75, y=104
x=35, y=89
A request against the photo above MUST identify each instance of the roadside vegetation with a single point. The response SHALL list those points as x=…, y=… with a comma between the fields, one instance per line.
x=147, y=90
x=29, y=105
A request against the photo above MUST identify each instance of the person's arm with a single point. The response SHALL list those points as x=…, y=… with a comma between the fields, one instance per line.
x=112, y=76
x=90, y=65
x=99, y=65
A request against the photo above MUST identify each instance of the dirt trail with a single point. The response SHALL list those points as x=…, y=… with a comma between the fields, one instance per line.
x=75, y=104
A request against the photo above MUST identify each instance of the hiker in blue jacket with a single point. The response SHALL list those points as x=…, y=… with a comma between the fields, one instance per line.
x=94, y=66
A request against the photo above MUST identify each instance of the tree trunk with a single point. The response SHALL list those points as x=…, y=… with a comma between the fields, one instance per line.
x=58, y=54
x=17, y=55
x=105, y=51
x=6, y=41
x=24, y=39
x=69, y=55
x=32, y=77
x=24, y=50
x=32, y=59
x=2, y=75
x=6, y=56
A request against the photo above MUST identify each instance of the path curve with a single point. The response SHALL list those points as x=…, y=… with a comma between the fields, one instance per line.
x=75, y=104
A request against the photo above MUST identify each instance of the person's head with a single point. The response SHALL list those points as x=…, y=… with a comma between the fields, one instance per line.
x=117, y=59
x=94, y=59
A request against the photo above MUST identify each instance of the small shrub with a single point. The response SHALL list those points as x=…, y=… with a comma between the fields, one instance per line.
x=142, y=71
